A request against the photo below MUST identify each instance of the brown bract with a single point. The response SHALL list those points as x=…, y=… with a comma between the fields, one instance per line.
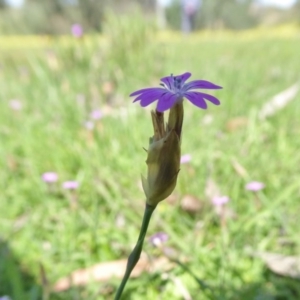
x=163, y=155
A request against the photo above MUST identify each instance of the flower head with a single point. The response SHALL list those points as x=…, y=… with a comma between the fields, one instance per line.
x=186, y=158
x=77, y=30
x=158, y=238
x=70, y=185
x=174, y=89
x=254, y=186
x=96, y=114
x=50, y=177
x=218, y=201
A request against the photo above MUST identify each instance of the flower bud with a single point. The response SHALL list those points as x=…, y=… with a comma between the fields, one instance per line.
x=163, y=161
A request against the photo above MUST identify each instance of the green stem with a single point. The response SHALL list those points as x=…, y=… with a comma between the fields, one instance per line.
x=136, y=252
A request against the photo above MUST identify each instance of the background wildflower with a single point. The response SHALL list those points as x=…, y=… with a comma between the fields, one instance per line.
x=50, y=177
x=186, y=158
x=96, y=114
x=254, y=186
x=219, y=200
x=174, y=89
x=219, y=203
x=70, y=185
x=158, y=239
x=77, y=30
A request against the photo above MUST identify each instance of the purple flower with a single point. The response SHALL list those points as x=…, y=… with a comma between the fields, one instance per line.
x=70, y=185
x=96, y=114
x=219, y=200
x=158, y=238
x=186, y=158
x=174, y=89
x=254, y=186
x=49, y=177
x=77, y=30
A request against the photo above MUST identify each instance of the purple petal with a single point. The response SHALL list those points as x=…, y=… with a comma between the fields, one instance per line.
x=144, y=90
x=210, y=98
x=157, y=91
x=196, y=99
x=148, y=98
x=166, y=102
x=168, y=81
x=184, y=77
x=201, y=84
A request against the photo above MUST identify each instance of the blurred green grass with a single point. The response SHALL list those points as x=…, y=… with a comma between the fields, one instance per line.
x=61, y=82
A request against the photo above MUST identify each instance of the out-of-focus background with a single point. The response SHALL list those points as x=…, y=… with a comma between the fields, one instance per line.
x=55, y=17
x=71, y=149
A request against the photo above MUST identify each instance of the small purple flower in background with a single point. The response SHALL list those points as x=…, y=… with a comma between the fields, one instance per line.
x=186, y=158
x=219, y=204
x=219, y=201
x=96, y=114
x=174, y=89
x=15, y=104
x=50, y=177
x=158, y=239
x=254, y=186
x=70, y=185
x=77, y=30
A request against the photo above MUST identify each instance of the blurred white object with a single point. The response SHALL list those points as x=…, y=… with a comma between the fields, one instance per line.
x=164, y=3
x=15, y=104
x=5, y=298
x=281, y=264
x=161, y=6
x=278, y=102
x=207, y=119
